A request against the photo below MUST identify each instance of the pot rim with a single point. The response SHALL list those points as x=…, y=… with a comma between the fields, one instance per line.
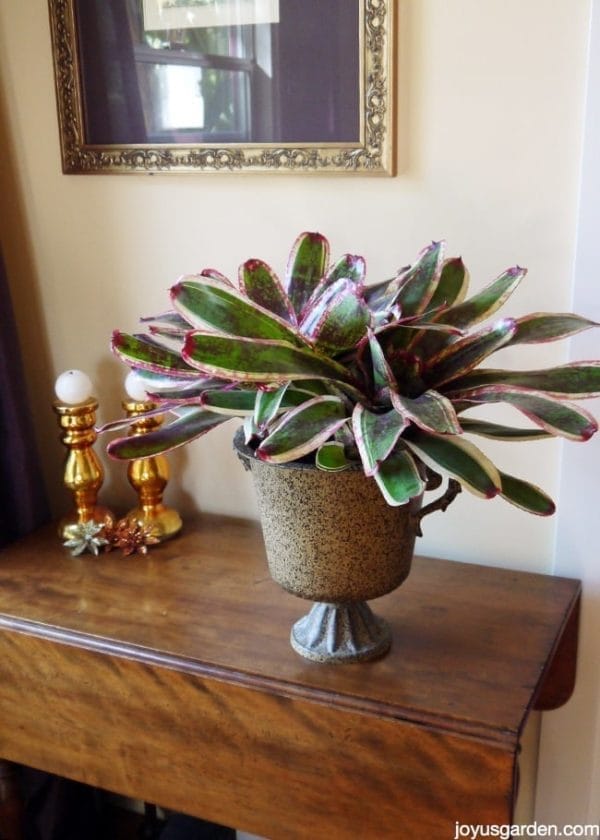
x=247, y=454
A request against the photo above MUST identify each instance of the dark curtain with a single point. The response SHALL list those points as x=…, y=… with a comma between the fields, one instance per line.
x=23, y=504
x=112, y=107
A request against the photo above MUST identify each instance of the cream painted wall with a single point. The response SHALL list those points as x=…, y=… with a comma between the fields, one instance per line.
x=489, y=133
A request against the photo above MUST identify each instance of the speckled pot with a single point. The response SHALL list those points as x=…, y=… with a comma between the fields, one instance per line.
x=330, y=537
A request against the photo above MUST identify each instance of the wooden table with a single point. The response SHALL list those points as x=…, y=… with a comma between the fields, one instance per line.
x=170, y=678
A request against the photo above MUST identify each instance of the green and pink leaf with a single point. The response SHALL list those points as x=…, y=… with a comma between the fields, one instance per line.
x=452, y=286
x=233, y=402
x=466, y=353
x=419, y=283
x=263, y=287
x=331, y=457
x=541, y=327
x=259, y=360
x=267, y=404
x=169, y=323
x=143, y=353
x=348, y=267
x=375, y=435
x=577, y=380
x=484, y=304
x=529, y=497
x=191, y=424
x=306, y=266
x=303, y=429
x=457, y=458
x=343, y=322
x=399, y=479
x=430, y=411
x=383, y=377
x=552, y=414
x=205, y=302
x=498, y=431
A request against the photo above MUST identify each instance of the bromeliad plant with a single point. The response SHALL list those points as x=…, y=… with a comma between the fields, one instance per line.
x=323, y=365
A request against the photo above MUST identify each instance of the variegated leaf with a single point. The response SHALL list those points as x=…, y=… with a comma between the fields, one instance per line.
x=457, y=458
x=540, y=327
x=144, y=353
x=375, y=435
x=381, y=296
x=303, y=429
x=453, y=284
x=306, y=266
x=271, y=403
x=484, y=304
x=342, y=323
x=166, y=331
x=191, y=424
x=577, y=380
x=215, y=275
x=205, y=302
x=259, y=360
x=497, y=431
x=550, y=413
x=192, y=395
x=171, y=385
x=414, y=334
x=313, y=312
x=125, y=422
x=169, y=323
x=348, y=267
x=331, y=457
x=263, y=286
x=232, y=402
x=430, y=411
x=528, y=497
x=466, y=353
x=383, y=377
x=266, y=405
x=398, y=478
x=419, y=283
x=249, y=429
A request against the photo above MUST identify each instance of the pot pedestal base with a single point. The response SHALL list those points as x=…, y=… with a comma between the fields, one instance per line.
x=348, y=632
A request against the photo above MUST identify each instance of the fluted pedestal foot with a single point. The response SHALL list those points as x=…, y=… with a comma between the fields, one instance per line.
x=348, y=632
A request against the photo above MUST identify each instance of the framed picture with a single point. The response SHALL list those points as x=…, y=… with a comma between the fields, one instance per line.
x=286, y=86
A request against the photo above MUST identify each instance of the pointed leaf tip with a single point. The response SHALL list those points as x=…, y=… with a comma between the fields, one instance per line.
x=306, y=266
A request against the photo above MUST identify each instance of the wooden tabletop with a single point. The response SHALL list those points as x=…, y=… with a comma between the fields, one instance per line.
x=472, y=644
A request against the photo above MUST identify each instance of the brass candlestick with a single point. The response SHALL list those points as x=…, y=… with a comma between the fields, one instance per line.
x=83, y=471
x=149, y=477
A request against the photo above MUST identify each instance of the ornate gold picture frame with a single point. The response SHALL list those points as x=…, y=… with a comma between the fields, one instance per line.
x=286, y=86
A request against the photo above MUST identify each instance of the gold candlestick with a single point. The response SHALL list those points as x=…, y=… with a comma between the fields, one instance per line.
x=83, y=471
x=149, y=477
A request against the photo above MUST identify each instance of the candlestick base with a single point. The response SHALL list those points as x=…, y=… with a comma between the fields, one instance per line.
x=149, y=478
x=164, y=521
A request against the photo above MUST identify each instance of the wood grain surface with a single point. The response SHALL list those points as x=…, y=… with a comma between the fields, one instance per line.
x=170, y=678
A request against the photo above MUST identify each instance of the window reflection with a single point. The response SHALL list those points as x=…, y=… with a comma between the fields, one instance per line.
x=291, y=81
x=196, y=82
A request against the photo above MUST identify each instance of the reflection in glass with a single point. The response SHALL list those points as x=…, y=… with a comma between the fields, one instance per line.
x=291, y=81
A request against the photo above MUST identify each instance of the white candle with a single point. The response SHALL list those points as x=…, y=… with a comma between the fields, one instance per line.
x=73, y=387
x=135, y=387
